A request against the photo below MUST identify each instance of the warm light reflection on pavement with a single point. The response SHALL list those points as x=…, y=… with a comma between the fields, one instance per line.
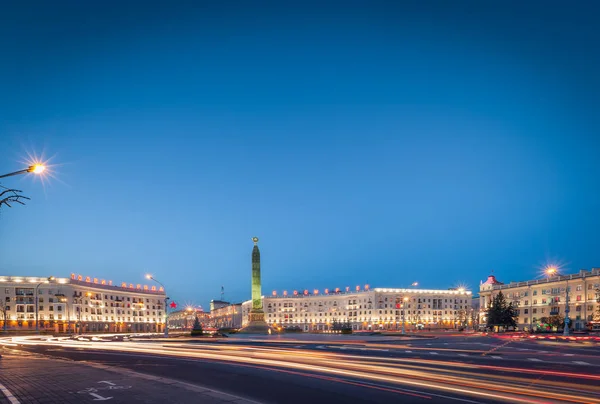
x=412, y=376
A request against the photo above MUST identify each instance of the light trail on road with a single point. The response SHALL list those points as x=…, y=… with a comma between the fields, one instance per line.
x=409, y=376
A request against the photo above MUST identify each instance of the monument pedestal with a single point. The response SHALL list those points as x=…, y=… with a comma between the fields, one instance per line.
x=256, y=323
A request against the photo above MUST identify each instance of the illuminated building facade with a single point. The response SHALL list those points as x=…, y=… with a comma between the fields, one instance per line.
x=79, y=304
x=183, y=320
x=227, y=316
x=542, y=298
x=367, y=309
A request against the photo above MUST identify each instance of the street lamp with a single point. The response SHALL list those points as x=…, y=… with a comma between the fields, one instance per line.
x=49, y=279
x=64, y=299
x=35, y=169
x=166, y=326
x=404, y=300
x=552, y=270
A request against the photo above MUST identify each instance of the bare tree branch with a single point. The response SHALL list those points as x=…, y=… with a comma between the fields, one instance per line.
x=14, y=195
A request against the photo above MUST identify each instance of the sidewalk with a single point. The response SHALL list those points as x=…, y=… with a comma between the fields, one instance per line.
x=39, y=380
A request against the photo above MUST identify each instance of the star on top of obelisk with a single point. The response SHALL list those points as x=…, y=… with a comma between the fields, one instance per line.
x=255, y=239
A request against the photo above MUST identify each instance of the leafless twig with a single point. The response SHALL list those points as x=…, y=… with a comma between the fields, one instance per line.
x=10, y=195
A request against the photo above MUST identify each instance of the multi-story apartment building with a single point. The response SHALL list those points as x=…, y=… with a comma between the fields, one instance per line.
x=79, y=304
x=229, y=316
x=546, y=297
x=367, y=309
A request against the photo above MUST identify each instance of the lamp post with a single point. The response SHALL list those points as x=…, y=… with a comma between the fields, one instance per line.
x=64, y=299
x=552, y=270
x=566, y=330
x=35, y=169
x=404, y=300
x=530, y=308
x=37, y=327
x=166, y=326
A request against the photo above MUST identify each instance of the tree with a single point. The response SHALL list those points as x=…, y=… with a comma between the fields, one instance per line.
x=474, y=315
x=336, y=325
x=462, y=317
x=501, y=313
x=555, y=321
x=4, y=315
x=197, y=328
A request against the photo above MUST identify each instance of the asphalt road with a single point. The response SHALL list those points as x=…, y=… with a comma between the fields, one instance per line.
x=293, y=370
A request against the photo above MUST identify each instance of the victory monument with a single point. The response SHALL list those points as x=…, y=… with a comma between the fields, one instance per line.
x=256, y=317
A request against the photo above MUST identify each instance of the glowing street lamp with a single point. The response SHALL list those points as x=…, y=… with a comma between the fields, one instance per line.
x=35, y=169
x=49, y=279
x=551, y=271
x=166, y=326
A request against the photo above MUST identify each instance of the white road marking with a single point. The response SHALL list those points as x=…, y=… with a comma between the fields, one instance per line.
x=99, y=397
x=107, y=382
x=496, y=357
x=8, y=395
x=534, y=359
x=569, y=354
x=580, y=363
x=433, y=353
x=408, y=351
x=462, y=354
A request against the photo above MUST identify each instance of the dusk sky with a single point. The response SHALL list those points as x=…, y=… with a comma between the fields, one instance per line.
x=362, y=142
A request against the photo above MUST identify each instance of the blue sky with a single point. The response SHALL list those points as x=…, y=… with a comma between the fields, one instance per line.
x=363, y=142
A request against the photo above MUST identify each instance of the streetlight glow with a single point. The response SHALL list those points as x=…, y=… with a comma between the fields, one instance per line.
x=148, y=276
x=36, y=168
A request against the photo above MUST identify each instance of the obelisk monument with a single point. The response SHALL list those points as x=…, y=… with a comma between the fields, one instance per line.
x=256, y=317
